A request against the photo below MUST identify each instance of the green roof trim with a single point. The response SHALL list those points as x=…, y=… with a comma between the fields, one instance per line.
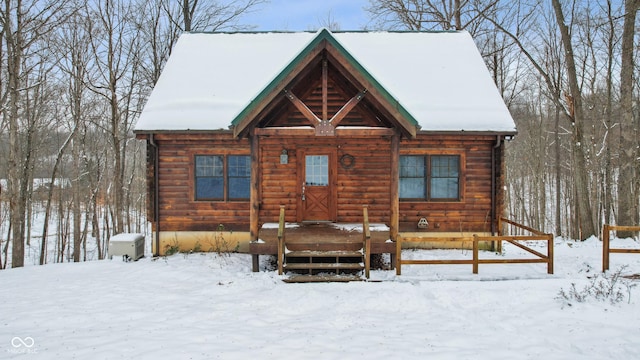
x=323, y=34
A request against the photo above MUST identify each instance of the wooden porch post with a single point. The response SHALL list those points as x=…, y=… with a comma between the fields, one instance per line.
x=254, y=197
x=394, y=221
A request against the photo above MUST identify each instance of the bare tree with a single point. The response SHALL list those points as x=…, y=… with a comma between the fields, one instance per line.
x=113, y=45
x=576, y=114
x=628, y=201
x=430, y=14
x=26, y=24
x=208, y=15
x=329, y=22
x=608, y=173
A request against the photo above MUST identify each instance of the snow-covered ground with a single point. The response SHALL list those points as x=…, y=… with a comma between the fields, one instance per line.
x=207, y=306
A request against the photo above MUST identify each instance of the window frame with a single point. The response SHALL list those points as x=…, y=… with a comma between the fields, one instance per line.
x=426, y=157
x=226, y=190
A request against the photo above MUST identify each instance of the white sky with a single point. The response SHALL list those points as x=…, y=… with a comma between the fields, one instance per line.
x=297, y=15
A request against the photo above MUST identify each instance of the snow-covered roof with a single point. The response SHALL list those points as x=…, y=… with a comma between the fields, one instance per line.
x=438, y=78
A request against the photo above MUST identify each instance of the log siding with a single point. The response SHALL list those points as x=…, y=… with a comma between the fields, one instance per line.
x=178, y=208
x=363, y=177
x=472, y=212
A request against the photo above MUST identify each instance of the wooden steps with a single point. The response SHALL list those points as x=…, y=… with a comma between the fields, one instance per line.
x=323, y=265
x=320, y=253
x=296, y=279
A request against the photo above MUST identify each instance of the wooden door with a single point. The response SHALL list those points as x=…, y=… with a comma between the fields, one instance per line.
x=317, y=195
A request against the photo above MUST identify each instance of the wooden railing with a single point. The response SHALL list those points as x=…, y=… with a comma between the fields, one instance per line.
x=366, y=241
x=475, y=261
x=281, y=242
x=606, y=243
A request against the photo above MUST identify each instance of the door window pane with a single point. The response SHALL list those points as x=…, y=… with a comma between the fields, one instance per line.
x=317, y=170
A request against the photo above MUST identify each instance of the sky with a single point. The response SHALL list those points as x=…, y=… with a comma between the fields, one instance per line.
x=297, y=15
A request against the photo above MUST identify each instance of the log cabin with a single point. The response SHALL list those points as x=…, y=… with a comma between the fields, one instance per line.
x=244, y=126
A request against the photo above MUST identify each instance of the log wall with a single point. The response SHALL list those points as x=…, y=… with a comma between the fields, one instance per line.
x=178, y=209
x=365, y=180
x=473, y=212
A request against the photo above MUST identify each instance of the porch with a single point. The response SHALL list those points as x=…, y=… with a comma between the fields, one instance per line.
x=323, y=251
x=326, y=251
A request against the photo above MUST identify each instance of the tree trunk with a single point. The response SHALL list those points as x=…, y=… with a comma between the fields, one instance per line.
x=558, y=169
x=576, y=115
x=627, y=199
x=608, y=181
x=13, y=39
x=76, y=201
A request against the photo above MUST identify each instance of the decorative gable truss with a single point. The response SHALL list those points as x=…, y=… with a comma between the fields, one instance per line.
x=323, y=125
x=323, y=75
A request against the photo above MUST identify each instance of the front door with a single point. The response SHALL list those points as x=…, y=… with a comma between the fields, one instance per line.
x=317, y=201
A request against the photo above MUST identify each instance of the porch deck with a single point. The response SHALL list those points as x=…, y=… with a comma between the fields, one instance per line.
x=317, y=247
x=322, y=237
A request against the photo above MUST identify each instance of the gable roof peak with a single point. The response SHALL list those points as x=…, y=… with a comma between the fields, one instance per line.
x=439, y=78
x=324, y=40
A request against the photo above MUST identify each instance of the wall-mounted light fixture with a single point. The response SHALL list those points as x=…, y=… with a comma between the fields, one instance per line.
x=423, y=223
x=284, y=157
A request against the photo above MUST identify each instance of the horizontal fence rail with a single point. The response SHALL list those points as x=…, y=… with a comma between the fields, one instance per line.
x=475, y=261
x=606, y=243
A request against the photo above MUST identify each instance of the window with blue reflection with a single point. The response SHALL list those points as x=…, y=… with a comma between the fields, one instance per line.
x=412, y=177
x=214, y=178
x=445, y=175
x=239, y=177
x=430, y=177
x=209, y=177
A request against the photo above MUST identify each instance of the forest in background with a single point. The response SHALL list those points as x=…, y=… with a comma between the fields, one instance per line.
x=75, y=75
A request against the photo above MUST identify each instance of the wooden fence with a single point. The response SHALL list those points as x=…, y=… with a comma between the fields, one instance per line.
x=475, y=261
x=606, y=243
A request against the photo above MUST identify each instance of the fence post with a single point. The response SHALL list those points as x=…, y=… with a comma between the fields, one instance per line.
x=281, y=240
x=605, y=247
x=366, y=235
x=475, y=253
x=550, y=254
x=498, y=244
x=399, y=255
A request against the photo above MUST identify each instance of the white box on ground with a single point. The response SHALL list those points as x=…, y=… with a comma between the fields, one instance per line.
x=129, y=245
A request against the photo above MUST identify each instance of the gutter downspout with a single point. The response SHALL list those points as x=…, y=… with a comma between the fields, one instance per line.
x=156, y=192
x=494, y=184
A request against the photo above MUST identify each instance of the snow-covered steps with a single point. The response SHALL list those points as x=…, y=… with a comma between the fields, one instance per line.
x=324, y=262
x=328, y=253
x=322, y=278
x=324, y=266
